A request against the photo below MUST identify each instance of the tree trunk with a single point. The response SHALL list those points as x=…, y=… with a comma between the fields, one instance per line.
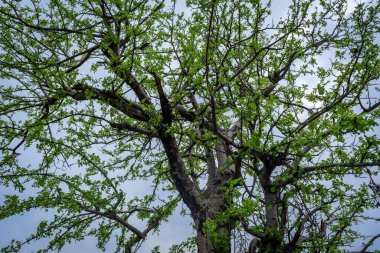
x=214, y=242
x=271, y=242
x=204, y=243
x=217, y=240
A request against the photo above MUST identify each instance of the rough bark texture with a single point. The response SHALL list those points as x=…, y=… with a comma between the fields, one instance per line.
x=270, y=242
x=214, y=202
x=213, y=241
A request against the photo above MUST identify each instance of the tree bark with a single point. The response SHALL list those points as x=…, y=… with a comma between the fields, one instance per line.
x=206, y=244
x=218, y=241
x=214, y=203
x=271, y=242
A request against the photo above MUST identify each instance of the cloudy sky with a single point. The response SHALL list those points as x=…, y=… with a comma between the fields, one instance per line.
x=177, y=229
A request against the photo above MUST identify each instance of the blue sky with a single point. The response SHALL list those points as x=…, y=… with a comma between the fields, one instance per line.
x=177, y=229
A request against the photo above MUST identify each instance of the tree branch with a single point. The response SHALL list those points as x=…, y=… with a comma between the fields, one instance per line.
x=82, y=92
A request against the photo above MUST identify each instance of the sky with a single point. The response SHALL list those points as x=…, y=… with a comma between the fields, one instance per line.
x=174, y=231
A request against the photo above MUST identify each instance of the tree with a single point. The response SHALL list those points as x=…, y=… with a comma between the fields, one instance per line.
x=261, y=125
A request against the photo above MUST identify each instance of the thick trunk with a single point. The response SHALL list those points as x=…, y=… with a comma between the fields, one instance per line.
x=215, y=241
x=204, y=243
x=271, y=242
x=271, y=213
